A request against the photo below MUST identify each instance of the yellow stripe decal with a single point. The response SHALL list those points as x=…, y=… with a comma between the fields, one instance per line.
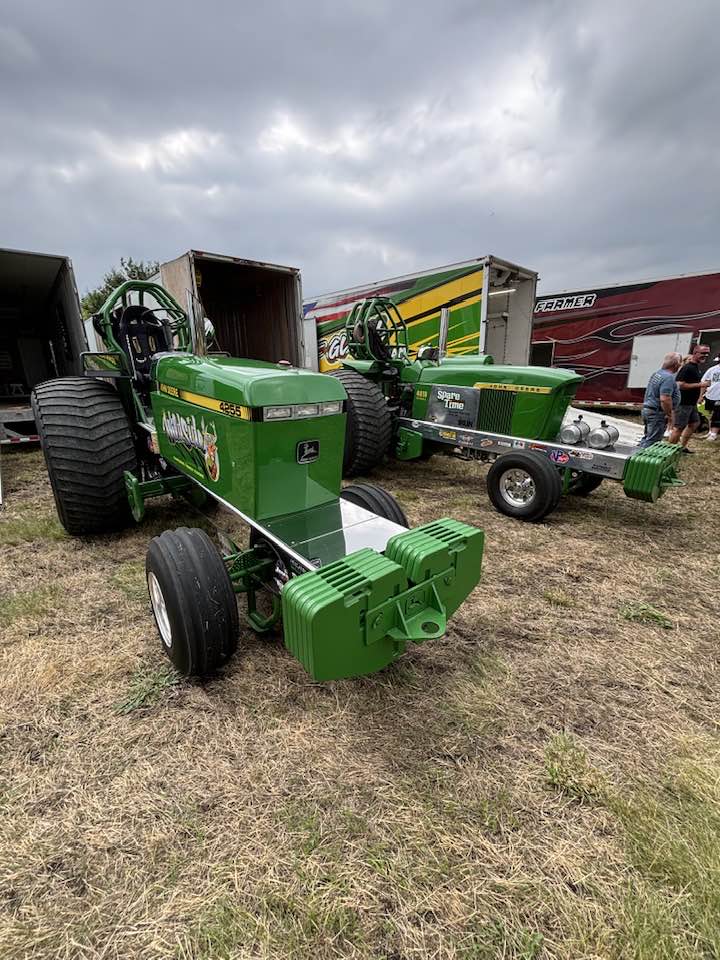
x=236, y=410
x=512, y=387
x=436, y=297
x=451, y=343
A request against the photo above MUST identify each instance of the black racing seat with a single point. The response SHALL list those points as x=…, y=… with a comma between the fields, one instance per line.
x=142, y=335
x=377, y=346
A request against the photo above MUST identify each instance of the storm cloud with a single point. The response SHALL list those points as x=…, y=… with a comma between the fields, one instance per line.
x=360, y=140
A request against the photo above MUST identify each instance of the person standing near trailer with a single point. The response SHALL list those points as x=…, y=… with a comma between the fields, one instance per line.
x=662, y=398
x=689, y=378
x=712, y=398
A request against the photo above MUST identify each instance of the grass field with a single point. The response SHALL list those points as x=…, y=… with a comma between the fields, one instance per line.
x=544, y=782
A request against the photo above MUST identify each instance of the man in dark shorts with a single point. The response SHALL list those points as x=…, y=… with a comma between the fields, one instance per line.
x=689, y=377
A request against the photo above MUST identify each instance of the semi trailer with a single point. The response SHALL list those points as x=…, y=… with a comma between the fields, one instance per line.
x=41, y=333
x=489, y=301
x=255, y=307
x=616, y=336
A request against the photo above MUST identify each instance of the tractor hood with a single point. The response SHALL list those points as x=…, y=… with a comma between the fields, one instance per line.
x=524, y=402
x=470, y=371
x=249, y=383
x=266, y=439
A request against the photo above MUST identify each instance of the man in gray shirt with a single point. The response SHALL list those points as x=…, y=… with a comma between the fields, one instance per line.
x=662, y=397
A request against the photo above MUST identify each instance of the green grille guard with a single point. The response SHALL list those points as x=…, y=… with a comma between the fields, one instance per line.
x=649, y=472
x=357, y=615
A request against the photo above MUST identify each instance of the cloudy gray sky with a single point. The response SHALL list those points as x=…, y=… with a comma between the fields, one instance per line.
x=360, y=139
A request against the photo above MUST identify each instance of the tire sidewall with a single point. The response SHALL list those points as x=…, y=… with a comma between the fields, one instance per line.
x=547, y=487
x=167, y=576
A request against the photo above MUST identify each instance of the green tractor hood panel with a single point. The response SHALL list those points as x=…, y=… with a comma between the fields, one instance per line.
x=522, y=401
x=252, y=383
x=262, y=437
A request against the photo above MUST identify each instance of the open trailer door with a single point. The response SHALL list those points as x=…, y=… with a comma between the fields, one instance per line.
x=255, y=307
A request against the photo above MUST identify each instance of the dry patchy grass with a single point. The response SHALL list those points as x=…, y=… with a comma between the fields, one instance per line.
x=541, y=783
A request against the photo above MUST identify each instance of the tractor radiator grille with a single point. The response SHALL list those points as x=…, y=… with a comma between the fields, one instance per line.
x=496, y=410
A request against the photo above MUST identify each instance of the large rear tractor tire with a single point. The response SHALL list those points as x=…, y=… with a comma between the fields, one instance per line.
x=88, y=446
x=524, y=485
x=374, y=498
x=369, y=424
x=193, y=601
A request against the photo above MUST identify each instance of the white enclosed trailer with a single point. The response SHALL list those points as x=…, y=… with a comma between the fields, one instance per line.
x=255, y=307
x=41, y=333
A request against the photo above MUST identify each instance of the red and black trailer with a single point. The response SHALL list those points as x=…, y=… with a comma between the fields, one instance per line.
x=616, y=336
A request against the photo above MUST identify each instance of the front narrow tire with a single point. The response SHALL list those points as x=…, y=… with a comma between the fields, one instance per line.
x=524, y=485
x=193, y=601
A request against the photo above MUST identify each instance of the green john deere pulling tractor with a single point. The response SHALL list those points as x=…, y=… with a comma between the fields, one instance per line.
x=468, y=406
x=350, y=582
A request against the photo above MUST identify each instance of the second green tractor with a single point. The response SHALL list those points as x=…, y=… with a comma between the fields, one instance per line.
x=512, y=417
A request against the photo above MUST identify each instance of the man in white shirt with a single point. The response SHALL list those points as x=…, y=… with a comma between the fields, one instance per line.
x=712, y=397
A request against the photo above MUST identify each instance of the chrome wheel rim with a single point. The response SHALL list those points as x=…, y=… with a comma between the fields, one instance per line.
x=517, y=487
x=157, y=601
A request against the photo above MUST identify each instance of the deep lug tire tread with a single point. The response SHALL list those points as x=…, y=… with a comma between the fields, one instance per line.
x=199, y=598
x=88, y=446
x=376, y=499
x=369, y=423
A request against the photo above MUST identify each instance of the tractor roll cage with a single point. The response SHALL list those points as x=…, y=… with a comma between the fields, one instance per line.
x=375, y=330
x=104, y=322
x=177, y=321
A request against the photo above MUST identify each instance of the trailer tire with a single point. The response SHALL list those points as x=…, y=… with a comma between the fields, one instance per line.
x=88, y=446
x=377, y=500
x=192, y=600
x=368, y=429
x=584, y=483
x=524, y=484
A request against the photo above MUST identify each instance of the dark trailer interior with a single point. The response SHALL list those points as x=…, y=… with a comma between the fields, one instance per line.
x=41, y=332
x=254, y=307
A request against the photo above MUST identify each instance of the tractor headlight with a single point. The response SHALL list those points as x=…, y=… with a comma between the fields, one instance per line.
x=277, y=413
x=305, y=410
x=301, y=411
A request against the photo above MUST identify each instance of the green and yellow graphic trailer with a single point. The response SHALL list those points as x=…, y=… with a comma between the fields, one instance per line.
x=352, y=585
x=489, y=302
x=511, y=416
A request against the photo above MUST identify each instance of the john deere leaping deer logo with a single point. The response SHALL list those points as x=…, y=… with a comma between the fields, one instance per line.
x=199, y=443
